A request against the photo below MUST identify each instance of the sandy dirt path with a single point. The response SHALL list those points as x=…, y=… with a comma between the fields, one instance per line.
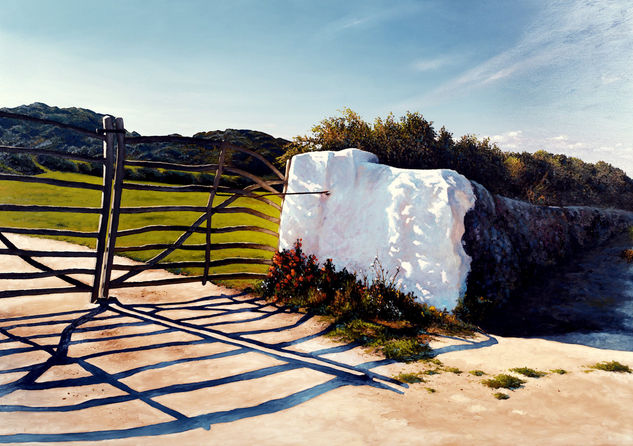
x=192, y=365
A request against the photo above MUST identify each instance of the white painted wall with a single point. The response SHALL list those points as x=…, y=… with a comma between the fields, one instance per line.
x=408, y=219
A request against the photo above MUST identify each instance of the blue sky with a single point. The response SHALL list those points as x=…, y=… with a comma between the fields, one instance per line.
x=556, y=75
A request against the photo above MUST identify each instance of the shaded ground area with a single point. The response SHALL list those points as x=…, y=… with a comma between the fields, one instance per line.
x=177, y=366
x=191, y=365
x=587, y=301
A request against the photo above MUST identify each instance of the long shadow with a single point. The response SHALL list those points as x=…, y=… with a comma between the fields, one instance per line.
x=112, y=329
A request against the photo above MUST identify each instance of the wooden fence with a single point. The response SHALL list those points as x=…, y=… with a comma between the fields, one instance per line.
x=113, y=188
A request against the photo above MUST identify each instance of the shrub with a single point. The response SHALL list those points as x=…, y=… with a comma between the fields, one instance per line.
x=404, y=349
x=454, y=370
x=612, y=366
x=559, y=371
x=501, y=396
x=477, y=372
x=530, y=373
x=412, y=142
x=503, y=381
x=374, y=313
x=297, y=279
x=411, y=378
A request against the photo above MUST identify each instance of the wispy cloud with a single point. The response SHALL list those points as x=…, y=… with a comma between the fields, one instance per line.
x=431, y=64
x=590, y=40
x=366, y=19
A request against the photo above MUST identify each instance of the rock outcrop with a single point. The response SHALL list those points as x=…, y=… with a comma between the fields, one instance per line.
x=512, y=242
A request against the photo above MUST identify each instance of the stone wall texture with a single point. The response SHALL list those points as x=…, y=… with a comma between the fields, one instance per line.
x=512, y=242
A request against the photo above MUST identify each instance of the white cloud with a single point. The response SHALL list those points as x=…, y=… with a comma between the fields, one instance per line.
x=617, y=154
x=511, y=140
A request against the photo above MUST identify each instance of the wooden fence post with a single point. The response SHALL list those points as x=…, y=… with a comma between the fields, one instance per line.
x=285, y=188
x=216, y=184
x=114, y=208
x=106, y=198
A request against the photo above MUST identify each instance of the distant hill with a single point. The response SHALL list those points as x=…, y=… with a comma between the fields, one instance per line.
x=21, y=133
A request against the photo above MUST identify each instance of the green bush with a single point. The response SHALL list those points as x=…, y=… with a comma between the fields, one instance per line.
x=612, y=366
x=503, y=381
x=530, y=373
x=412, y=142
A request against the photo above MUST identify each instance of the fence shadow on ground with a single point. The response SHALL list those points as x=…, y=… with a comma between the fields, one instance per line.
x=171, y=367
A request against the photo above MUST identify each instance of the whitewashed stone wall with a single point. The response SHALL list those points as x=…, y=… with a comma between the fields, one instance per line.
x=411, y=220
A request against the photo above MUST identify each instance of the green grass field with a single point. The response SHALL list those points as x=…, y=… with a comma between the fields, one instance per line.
x=12, y=192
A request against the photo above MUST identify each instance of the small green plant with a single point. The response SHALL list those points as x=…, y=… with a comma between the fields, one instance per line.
x=559, y=371
x=501, y=396
x=530, y=373
x=503, y=381
x=432, y=372
x=403, y=349
x=430, y=389
x=477, y=372
x=611, y=366
x=411, y=378
x=454, y=370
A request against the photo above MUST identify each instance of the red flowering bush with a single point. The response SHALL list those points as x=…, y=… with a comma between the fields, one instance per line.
x=297, y=279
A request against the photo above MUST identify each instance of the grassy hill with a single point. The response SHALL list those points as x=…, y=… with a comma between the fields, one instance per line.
x=19, y=133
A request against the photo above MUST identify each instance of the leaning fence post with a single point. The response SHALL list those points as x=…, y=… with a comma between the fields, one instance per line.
x=216, y=184
x=285, y=188
x=115, y=209
x=106, y=197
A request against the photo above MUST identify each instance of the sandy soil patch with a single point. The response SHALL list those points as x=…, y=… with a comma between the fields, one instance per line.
x=191, y=365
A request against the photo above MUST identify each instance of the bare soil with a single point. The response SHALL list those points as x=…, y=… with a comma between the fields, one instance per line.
x=192, y=364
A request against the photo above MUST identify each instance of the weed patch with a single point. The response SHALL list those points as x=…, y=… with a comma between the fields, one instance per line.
x=559, y=371
x=530, y=373
x=477, y=372
x=501, y=396
x=611, y=366
x=411, y=378
x=503, y=381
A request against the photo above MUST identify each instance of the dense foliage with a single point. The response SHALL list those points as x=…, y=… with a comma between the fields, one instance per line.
x=372, y=312
x=412, y=142
x=300, y=280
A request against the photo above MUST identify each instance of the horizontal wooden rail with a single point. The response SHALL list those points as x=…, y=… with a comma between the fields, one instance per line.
x=244, y=210
x=220, y=210
x=41, y=291
x=215, y=246
x=41, y=274
x=147, y=209
x=41, y=231
x=252, y=177
x=48, y=152
x=172, y=166
x=247, y=228
x=34, y=253
x=202, y=142
x=51, y=181
x=91, y=133
x=189, y=279
x=163, y=228
x=202, y=188
x=188, y=188
x=194, y=264
x=39, y=208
